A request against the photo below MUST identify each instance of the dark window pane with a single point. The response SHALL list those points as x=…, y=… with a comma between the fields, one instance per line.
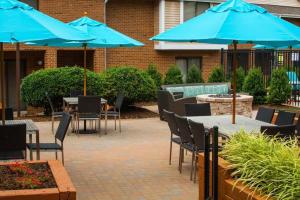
x=189, y=10
x=201, y=7
x=33, y=3
x=184, y=63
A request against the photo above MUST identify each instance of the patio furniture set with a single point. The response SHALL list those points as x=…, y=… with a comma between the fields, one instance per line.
x=188, y=131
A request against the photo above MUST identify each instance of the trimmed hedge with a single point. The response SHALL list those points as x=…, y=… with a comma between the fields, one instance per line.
x=280, y=88
x=155, y=75
x=58, y=82
x=217, y=75
x=194, y=75
x=136, y=84
x=240, y=78
x=173, y=76
x=254, y=85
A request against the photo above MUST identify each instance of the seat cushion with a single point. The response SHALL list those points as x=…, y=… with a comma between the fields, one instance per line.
x=45, y=146
x=188, y=146
x=12, y=155
x=176, y=140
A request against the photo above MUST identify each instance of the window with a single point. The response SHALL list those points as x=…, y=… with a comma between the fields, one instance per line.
x=185, y=63
x=194, y=8
x=32, y=3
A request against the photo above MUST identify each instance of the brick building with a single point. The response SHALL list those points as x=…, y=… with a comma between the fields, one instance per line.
x=139, y=19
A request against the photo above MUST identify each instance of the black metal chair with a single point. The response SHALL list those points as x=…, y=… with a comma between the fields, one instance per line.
x=170, y=118
x=89, y=108
x=265, y=114
x=13, y=142
x=9, y=114
x=54, y=114
x=285, y=118
x=59, y=136
x=187, y=142
x=116, y=110
x=284, y=131
x=195, y=109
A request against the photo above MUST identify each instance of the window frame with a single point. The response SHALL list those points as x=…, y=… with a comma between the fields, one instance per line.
x=187, y=58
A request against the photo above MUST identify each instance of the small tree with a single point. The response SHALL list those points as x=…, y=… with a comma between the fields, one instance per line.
x=254, y=85
x=173, y=75
x=280, y=89
x=155, y=75
x=194, y=75
x=217, y=75
x=240, y=78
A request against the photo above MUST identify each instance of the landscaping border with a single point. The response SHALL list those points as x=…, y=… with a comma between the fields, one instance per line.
x=65, y=189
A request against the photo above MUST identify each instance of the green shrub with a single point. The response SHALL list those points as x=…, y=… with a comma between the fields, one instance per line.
x=173, y=76
x=217, y=75
x=58, y=82
x=194, y=75
x=264, y=164
x=136, y=84
x=280, y=89
x=155, y=75
x=240, y=78
x=254, y=85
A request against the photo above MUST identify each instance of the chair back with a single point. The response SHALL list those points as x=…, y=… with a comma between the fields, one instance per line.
x=75, y=93
x=195, y=109
x=164, y=100
x=170, y=118
x=12, y=137
x=63, y=126
x=119, y=100
x=285, y=118
x=198, y=133
x=50, y=102
x=265, y=114
x=9, y=114
x=284, y=131
x=89, y=104
x=184, y=129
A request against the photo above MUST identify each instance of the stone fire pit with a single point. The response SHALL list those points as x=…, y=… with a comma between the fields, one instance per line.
x=222, y=104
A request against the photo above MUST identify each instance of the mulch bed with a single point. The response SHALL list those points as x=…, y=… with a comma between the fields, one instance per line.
x=26, y=176
x=131, y=112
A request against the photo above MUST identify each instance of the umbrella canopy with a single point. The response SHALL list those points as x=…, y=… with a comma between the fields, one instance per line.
x=233, y=22
x=297, y=46
x=105, y=37
x=20, y=22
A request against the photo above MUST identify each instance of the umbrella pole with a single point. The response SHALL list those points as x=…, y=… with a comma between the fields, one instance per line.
x=2, y=82
x=84, y=63
x=234, y=80
x=18, y=78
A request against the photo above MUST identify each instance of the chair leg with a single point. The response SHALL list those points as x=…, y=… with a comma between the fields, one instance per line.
x=179, y=160
x=120, y=122
x=52, y=124
x=56, y=155
x=62, y=157
x=99, y=125
x=115, y=117
x=192, y=170
x=31, y=155
x=195, y=169
x=170, y=156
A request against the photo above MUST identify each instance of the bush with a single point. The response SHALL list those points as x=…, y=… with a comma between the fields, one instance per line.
x=280, y=89
x=136, y=84
x=173, y=76
x=264, y=164
x=155, y=75
x=58, y=82
x=240, y=78
x=217, y=75
x=194, y=75
x=254, y=85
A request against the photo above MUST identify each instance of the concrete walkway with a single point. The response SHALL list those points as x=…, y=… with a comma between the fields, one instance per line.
x=132, y=165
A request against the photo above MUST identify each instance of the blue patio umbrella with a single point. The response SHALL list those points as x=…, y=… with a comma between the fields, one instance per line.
x=20, y=22
x=234, y=22
x=105, y=37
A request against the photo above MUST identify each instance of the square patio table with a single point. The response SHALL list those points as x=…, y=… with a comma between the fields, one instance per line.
x=31, y=129
x=73, y=101
x=226, y=128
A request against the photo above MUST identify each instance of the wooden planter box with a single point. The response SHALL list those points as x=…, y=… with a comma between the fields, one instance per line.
x=64, y=191
x=227, y=188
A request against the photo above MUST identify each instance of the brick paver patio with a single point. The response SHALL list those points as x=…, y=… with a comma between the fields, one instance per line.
x=132, y=165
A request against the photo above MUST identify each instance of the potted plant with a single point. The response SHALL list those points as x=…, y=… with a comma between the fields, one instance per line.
x=35, y=180
x=256, y=167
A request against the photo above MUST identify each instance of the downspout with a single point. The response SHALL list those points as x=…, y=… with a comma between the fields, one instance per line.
x=105, y=49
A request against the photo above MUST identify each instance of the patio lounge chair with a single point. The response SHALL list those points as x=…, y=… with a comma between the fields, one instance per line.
x=54, y=114
x=13, y=142
x=59, y=136
x=170, y=118
x=285, y=118
x=197, y=109
x=265, y=114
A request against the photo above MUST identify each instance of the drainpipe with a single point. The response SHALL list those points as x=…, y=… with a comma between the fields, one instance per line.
x=105, y=50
